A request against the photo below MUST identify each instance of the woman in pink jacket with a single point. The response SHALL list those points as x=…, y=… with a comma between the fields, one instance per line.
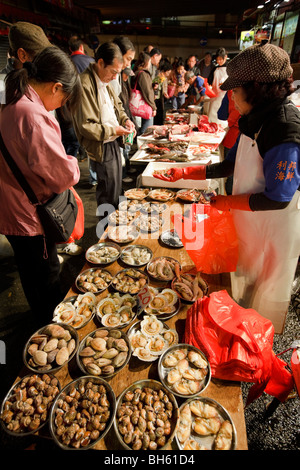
x=32, y=136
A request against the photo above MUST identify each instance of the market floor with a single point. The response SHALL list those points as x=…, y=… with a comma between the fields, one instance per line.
x=280, y=431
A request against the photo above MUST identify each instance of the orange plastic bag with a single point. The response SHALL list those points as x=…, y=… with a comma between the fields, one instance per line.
x=238, y=345
x=208, y=89
x=209, y=237
x=78, y=230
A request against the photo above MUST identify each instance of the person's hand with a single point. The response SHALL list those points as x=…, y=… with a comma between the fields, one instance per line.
x=154, y=113
x=225, y=203
x=130, y=125
x=120, y=130
x=171, y=175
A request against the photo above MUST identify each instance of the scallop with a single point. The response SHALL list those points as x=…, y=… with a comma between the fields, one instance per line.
x=173, y=376
x=171, y=296
x=65, y=315
x=170, y=360
x=138, y=340
x=111, y=320
x=78, y=321
x=151, y=326
x=158, y=302
x=127, y=300
x=171, y=337
x=106, y=306
x=87, y=298
x=157, y=345
x=125, y=313
x=144, y=354
x=153, y=290
x=197, y=359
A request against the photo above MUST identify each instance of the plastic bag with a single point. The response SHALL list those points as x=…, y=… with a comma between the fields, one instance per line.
x=209, y=238
x=238, y=345
x=78, y=230
x=208, y=89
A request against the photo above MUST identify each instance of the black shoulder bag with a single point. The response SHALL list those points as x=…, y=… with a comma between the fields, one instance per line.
x=57, y=215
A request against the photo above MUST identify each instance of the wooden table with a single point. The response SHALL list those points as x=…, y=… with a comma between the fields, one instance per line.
x=228, y=394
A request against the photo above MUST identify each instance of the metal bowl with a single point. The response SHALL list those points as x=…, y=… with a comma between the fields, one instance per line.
x=129, y=233
x=148, y=219
x=157, y=278
x=78, y=384
x=90, y=271
x=171, y=238
x=122, y=324
x=129, y=248
x=54, y=368
x=153, y=208
x=154, y=194
x=163, y=370
x=136, y=328
x=156, y=386
x=79, y=320
x=86, y=342
x=97, y=247
x=165, y=315
x=125, y=271
x=204, y=290
x=137, y=194
x=8, y=397
x=207, y=442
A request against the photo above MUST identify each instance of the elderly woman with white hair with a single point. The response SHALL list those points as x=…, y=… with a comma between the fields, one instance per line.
x=265, y=163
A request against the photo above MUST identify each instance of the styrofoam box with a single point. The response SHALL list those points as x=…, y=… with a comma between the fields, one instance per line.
x=149, y=180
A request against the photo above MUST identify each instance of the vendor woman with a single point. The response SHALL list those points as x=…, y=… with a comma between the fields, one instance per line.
x=265, y=163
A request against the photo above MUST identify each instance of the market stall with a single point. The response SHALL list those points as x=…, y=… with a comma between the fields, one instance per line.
x=101, y=279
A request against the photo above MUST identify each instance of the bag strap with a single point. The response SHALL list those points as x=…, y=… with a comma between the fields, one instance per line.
x=134, y=89
x=17, y=173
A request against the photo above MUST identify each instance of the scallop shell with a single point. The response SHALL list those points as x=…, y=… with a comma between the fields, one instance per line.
x=87, y=298
x=65, y=314
x=111, y=320
x=171, y=337
x=144, y=354
x=127, y=299
x=158, y=302
x=138, y=339
x=171, y=296
x=125, y=313
x=157, y=345
x=106, y=307
x=78, y=321
x=151, y=326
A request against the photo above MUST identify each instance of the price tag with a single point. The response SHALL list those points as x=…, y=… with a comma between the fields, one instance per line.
x=143, y=297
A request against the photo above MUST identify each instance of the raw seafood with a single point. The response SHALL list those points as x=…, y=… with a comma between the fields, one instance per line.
x=94, y=280
x=188, y=286
x=116, y=310
x=122, y=233
x=163, y=268
x=162, y=303
x=101, y=254
x=136, y=193
x=120, y=218
x=136, y=255
x=76, y=311
x=129, y=281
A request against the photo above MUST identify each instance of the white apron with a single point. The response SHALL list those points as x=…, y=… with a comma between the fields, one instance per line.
x=269, y=243
x=220, y=76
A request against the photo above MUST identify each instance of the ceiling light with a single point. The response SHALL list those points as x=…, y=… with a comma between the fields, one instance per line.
x=260, y=6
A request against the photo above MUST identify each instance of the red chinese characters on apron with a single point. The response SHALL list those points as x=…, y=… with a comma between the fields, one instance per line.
x=269, y=243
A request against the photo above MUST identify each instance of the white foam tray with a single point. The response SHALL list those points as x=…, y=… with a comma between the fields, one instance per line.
x=149, y=180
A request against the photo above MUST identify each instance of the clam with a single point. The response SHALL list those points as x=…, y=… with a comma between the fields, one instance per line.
x=99, y=344
x=173, y=376
x=197, y=359
x=56, y=331
x=93, y=368
x=62, y=356
x=119, y=360
x=40, y=357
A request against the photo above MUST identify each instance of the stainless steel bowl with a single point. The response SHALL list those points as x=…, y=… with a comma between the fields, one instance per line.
x=136, y=327
x=163, y=370
x=96, y=247
x=125, y=271
x=77, y=384
x=39, y=370
x=129, y=248
x=8, y=397
x=74, y=323
x=208, y=441
x=155, y=385
x=88, y=271
x=84, y=344
x=158, y=278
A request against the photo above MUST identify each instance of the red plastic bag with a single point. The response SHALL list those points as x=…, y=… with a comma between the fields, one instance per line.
x=209, y=238
x=78, y=230
x=171, y=90
x=238, y=345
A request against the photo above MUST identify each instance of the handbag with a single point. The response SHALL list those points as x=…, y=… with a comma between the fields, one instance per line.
x=138, y=105
x=57, y=215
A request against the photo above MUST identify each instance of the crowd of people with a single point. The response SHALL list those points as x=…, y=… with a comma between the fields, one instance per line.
x=65, y=103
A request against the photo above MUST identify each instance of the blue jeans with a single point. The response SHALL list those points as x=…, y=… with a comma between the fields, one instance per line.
x=146, y=123
x=177, y=101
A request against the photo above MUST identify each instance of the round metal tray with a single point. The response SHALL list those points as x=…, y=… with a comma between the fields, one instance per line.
x=155, y=208
x=7, y=398
x=163, y=370
x=163, y=316
x=171, y=238
x=87, y=271
x=157, y=278
x=155, y=194
x=148, y=218
x=26, y=355
x=135, y=328
x=80, y=320
x=77, y=382
x=111, y=298
x=207, y=442
x=155, y=385
x=97, y=247
x=129, y=231
x=84, y=344
x=125, y=271
x=140, y=193
x=132, y=247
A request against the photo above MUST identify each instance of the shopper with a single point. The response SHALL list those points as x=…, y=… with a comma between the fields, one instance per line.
x=205, y=65
x=155, y=55
x=34, y=141
x=177, y=78
x=265, y=162
x=78, y=56
x=160, y=85
x=101, y=120
x=217, y=76
x=128, y=53
x=197, y=93
x=143, y=83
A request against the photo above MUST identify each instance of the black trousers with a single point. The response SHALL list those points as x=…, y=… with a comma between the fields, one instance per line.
x=109, y=176
x=39, y=268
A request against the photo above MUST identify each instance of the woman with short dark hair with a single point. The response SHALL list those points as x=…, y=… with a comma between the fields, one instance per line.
x=32, y=136
x=265, y=163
